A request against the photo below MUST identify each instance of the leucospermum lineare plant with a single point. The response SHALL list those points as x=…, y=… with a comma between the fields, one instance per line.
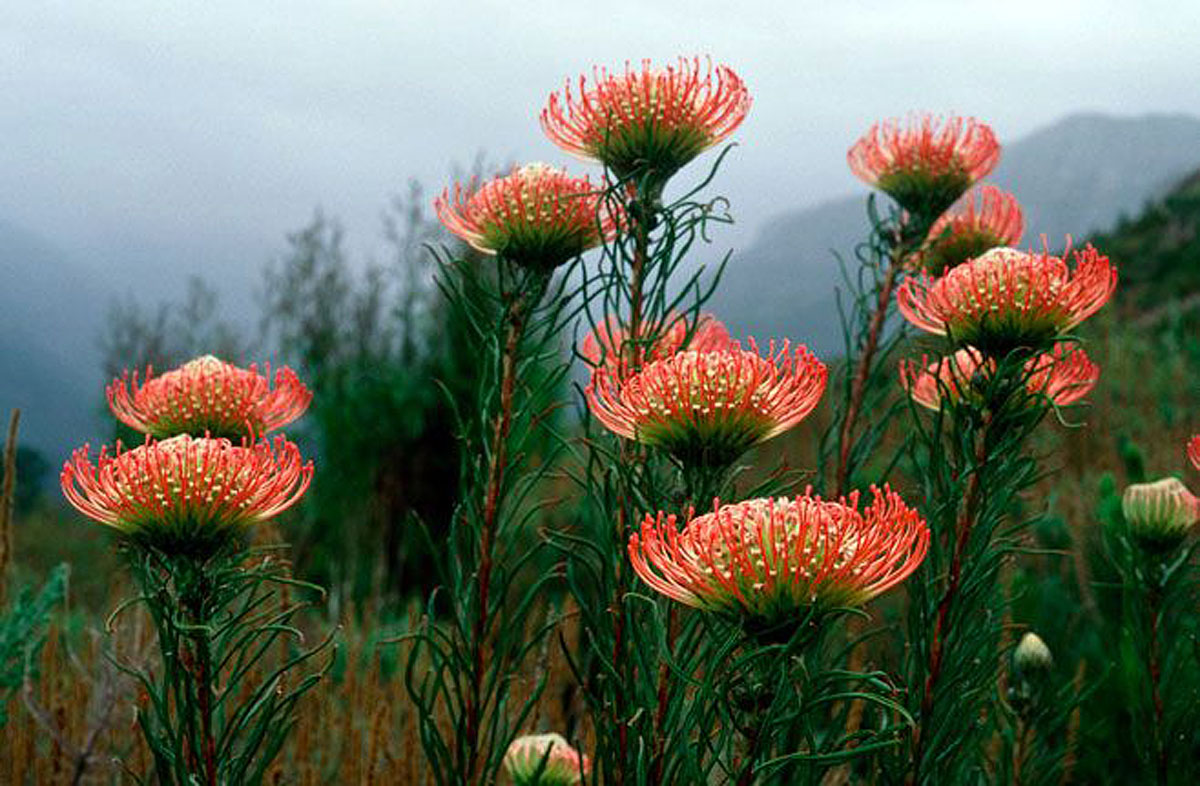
x=761, y=560
x=1008, y=299
x=924, y=164
x=464, y=659
x=643, y=126
x=545, y=760
x=537, y=216
x=208, y=396
x=984, y=219
x=1149, y=548
x=184, y=504
x=605, y=345
x=705, y=597
x=708, y=408
x=779, y=572
x=648, y=121
x=1064, y=376
x=1006, y=316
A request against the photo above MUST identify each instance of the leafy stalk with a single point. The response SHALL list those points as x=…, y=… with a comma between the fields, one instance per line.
x=218, y=712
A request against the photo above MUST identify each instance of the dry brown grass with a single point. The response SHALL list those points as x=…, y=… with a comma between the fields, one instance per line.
x=77, y=722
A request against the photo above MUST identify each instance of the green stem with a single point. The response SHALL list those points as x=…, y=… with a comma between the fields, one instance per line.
x=964, y=525
x=862, y=374
x=515, y=320
x=1154, y=667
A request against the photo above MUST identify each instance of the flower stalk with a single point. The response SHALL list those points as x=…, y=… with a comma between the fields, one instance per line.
x=515, y=320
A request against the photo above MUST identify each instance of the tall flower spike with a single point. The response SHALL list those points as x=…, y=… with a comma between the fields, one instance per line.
x=208, y=396
x=1063, y=376
x=1159, y=514
x=768, y=560
x=187, y=494
x=652, y=121
x=537, y=216
x=1193, y=451
x=927, y=163
x=707, y=408
x=986, y=218
x=608, y=346
x=545, y=760
x=1009, y=298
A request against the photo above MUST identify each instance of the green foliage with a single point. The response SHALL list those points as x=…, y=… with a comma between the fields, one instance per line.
x=219, y=707
x=22, y=632
x=389, y=362
x=492, y=613
x=1158, y=251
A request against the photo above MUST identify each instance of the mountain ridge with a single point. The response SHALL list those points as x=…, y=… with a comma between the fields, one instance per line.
x=1077, y=176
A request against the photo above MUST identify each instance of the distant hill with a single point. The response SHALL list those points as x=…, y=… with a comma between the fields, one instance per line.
x=1075, y=177
x=1158, y=251
x=48, y=355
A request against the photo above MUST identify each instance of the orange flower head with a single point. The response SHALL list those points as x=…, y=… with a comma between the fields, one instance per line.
x=608, y=345
x=1063, y=376
x=649, y=121
x=1009, y=298
x=1193, y=451
x=707, y=408
x=187, y=494
x=767, y=561
x=927, y=163
x=208, y=396
x=545, y=760
x=987, y=218
x=537, y=216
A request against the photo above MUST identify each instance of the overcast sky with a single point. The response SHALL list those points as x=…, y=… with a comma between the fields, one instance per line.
x=192, y=136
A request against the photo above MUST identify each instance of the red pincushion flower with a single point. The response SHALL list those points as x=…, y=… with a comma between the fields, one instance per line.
x=545, y=760
x=1009, y=298
x=208, y=396
x=926, y=164
x=652, y=120
x=187, y=494
x=537, y=216
x=608, y=346
x=707, y=408
x=768, y=560
x=987, y=218
x=1193, y=451
x=1064, y=375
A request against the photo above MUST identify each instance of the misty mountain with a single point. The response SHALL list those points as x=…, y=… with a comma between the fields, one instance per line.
x=1076, y=177
x=49, y=362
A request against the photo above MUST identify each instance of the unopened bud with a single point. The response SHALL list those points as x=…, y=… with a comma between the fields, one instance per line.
x=1032, y=655
x=544, y=760
x=1159, y=514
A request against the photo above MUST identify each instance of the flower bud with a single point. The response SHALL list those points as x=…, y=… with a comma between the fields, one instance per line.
x=544, y=760
x=1159, y=514
x=1032, y=656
